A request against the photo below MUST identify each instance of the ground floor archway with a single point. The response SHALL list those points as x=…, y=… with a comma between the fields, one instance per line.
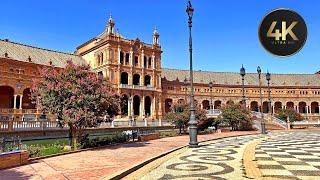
x=290, y=105
x=167, y=105
x=147, y=106
x=315, y=107
x=265, y=107
x=6, y=97
x=217, y=104
x=205, y=104
x=302, y=107
x=136, y=105
x=124, y=105
x=277, y=107
x=254, y=106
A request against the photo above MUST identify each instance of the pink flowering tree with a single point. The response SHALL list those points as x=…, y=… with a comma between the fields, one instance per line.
x=78, y=97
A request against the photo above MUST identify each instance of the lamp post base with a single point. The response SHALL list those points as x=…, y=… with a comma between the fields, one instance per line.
x=193, y=135
x=263, y=128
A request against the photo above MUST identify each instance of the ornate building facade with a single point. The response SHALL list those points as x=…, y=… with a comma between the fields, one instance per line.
x=134, y=70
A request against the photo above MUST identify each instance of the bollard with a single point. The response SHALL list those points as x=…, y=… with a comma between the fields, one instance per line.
x=145, y=122
x=288, y=123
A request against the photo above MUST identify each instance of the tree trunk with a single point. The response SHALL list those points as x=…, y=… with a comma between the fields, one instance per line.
x=180, y=130
x=74, y=137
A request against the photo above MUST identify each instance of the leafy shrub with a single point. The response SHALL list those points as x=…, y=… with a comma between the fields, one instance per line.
x=236, y=117
x=86, y=142
x=171, y=133
x=283, y=114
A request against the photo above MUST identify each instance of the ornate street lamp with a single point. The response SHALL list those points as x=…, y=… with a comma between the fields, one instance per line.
x=211, y=104
x=268, y=77
x=243, y=73
x=192, y=121
x=263, y=124
x=185, y=83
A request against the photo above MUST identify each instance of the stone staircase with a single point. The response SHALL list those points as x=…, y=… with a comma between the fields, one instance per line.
x=275, y=124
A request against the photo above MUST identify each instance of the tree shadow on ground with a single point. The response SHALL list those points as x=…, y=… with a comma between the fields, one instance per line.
x=123, y=145
x=13, y=174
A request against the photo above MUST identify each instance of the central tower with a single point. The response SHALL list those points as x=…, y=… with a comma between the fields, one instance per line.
x=132, y=67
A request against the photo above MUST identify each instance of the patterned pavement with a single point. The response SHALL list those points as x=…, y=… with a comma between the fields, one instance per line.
x=294, y=155
x=280, y=155
x=219, y=159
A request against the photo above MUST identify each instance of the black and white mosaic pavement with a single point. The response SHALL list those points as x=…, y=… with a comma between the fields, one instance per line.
x=293, y=155
x=219, y=159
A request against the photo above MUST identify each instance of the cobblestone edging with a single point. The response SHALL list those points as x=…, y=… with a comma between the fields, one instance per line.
x=138, y=169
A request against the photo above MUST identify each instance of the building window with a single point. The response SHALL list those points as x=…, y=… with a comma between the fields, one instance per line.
x=149, y=62
x=145, y=61
x=121, y=57
x=127, y=58
x=100, y=74
x=136, y=61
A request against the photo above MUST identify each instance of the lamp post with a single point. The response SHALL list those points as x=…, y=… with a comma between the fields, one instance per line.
x=268, y=77
x=243, y=73
x=263, y=124
x=185, y=83
x=192, y=121
x=211, y=105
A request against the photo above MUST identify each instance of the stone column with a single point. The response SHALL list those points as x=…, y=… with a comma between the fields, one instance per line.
x=160, y=111
x=297, y=109
x=319, y=109
x=153, y=61
x=142, y=78
x=21, y=101
x=159, y=83
x=142, y=59
x=15, y=101
x=142, y=107
x=272, y=109
x=307, y=108
x=131, y=57
x=119, y=52
x=153, y=107
x=129, y=106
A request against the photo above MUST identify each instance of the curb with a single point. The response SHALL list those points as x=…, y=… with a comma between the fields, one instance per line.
x=126, y=172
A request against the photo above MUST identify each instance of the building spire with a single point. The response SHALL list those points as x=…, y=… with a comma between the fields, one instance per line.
x=155, y=37
x=110, y=26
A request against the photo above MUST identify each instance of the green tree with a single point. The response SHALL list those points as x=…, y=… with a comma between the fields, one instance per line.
x=236, y=117
x=283, y=114
x=180, y=115
x=78, y=97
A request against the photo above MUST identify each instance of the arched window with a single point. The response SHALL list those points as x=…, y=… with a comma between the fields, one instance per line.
x=121, y=57
x=127, y=58
x=136, y=79
x=101, y=61
x=145, y=61
x=147, y=80
x=124, y=78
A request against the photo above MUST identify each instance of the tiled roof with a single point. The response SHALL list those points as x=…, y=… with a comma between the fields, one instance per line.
x=22, y=52
x=232, y=78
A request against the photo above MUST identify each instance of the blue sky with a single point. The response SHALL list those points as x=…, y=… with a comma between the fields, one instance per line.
x=225, y=32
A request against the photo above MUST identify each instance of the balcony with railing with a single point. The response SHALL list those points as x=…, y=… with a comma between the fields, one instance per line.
x=148, y=87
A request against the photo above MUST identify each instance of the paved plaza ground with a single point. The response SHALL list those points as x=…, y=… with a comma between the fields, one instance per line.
x=278, y=155
x=103, y=162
